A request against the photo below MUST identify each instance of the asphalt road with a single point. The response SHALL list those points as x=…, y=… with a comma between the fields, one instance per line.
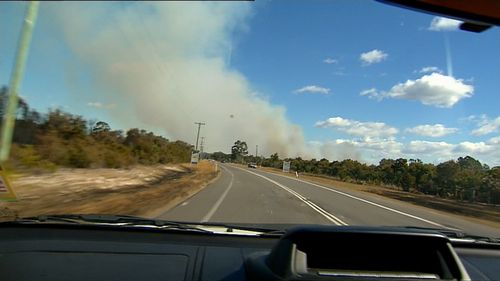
x=245, y=195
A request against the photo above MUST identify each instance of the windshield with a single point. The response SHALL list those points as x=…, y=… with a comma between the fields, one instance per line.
x=270, y=113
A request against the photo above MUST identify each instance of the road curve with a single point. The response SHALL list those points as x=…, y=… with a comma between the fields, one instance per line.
x=243, y=195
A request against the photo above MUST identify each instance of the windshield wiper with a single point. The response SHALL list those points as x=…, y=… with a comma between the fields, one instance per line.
x=132, y=221
x=262, y=231
x=477, y=238
x=457, y=234
x=115, y=220
x=450, y=233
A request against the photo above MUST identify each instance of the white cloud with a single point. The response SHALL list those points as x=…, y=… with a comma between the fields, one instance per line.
x=357, y=128
x=95, y=104
x=494, y=140
x=373, y=56
x=372, y=150
x=486, y=126
x=430, y=69
x=478, y=148
x=478, y=119
x=486, y=152
x=371, y=93
x=334, y=150
x=330, y=61
x=100, y=105
x=444, y=24
x=429, y=151
x=388, y=146
x=428, y=147
x=433, y=89
x=312, y=89
x=436, y=130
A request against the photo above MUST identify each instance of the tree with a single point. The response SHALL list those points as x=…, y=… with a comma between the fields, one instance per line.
x=323, y=166
x=446, y=176
x=238, y=150
x=22, y=106
x=100, y=126
x=273, y=161
x=401, y=176
x=469, y=163
x=3, y=100
x=66, y=125
x=275, y=157
x=310, y=166
x=470, y=177
x=386, y=168
x=220, y=156
x=424, y=175
x=491, y=186
x=300, y=165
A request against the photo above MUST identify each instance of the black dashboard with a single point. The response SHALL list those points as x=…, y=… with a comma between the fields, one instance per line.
x=87, y=252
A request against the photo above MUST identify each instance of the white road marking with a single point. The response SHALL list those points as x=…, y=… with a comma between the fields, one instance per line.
x=212, y=211
x=315, y=207
x=184, y=203
x=368, y=202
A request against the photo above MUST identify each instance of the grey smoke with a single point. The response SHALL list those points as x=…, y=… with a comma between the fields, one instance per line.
x=165, y=65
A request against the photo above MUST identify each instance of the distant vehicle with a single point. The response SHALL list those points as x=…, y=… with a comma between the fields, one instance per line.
x=252, y=165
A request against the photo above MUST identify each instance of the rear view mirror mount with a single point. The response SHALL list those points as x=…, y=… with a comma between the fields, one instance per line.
x=477, y=15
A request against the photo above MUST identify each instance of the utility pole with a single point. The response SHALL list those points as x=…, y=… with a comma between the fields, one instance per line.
x=198, y=134
x=201, y=147
x=256, y=154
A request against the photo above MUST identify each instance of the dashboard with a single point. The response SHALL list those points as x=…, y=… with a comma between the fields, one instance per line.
x=89, y=252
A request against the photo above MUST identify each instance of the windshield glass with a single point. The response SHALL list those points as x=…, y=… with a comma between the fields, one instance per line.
x=270, y=113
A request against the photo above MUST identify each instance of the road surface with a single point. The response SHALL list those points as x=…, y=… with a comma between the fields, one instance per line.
x=245, y=195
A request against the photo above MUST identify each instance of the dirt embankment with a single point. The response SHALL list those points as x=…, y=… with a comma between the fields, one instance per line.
x=488, y=214
x=141, y=191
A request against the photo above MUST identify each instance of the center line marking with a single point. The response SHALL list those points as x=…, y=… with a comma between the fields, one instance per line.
x=368, y=202
x=209, y=215
x=315, y=207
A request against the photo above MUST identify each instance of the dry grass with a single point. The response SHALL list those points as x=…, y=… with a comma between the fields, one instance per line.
x=486, y=214
x=158, y=193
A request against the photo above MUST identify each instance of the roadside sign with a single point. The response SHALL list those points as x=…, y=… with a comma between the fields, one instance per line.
x=195, y=158
x=286, y=166
x=6, y=191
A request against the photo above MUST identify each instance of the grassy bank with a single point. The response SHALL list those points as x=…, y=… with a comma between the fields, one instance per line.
x=141, y=190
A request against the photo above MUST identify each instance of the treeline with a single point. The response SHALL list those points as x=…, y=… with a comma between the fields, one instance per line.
x=465, y=179
x=58, y=138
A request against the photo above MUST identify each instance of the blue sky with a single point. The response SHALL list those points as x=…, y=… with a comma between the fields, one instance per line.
x=271, y=50
x=294, y=53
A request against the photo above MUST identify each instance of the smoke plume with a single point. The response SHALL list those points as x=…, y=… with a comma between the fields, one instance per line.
x=165, y=65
